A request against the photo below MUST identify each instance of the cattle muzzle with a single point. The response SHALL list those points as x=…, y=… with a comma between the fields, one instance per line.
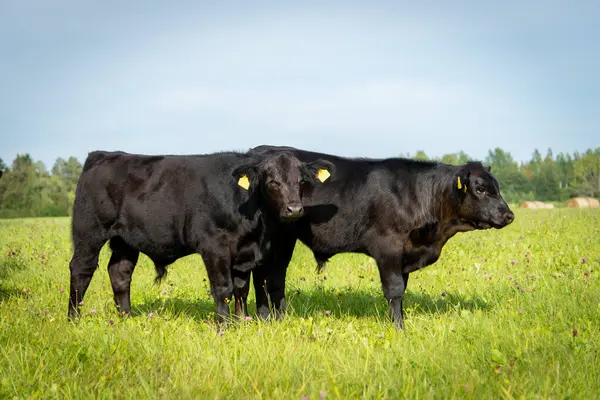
x=292, y=212
x=498, y=223
x=505, y=219
x=509, y=217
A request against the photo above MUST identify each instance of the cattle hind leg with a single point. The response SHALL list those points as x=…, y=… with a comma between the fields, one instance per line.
x=82, y=267
x=241, y=288
x=259, y=279
x=120, y=269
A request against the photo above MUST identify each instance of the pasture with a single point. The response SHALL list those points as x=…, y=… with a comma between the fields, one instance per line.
x=510, y=313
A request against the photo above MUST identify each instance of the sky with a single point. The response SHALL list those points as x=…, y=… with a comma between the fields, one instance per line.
x=368, y=79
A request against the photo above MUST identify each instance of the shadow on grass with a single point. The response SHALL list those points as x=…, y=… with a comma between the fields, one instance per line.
x=369, y=304
x=316, y=302
x=10, y=265
x=7, y=292
x=200, y=309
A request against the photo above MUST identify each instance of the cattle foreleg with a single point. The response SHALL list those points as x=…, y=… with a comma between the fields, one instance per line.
x=276, y=288
x=269, y=276
x=218, y=269
x=82, y=267
x=276, y=274
x=120, y=269
x=393, y=283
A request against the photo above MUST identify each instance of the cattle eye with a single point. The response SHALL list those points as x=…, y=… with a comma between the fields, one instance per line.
x=273, y=183
x=480, y=190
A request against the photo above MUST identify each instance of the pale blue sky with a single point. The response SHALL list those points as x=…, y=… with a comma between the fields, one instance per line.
x=358, y=79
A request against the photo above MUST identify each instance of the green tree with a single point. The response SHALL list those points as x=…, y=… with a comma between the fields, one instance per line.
x=586, y=171
x=420, y=155
x=28, y=189
x=451, y=159
x=506, y=171
x=68, y=171
x=463, y=157
x=547, y=187
x=455, y=158
x=564, y=167
x=19, y=185
x=65, y=175
x=536, y=162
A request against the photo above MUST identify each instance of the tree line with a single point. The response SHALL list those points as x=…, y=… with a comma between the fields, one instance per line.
x=550, y=178
x=28, y=189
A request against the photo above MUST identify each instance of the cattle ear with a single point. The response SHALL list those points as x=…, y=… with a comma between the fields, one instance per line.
x=244, y=175
x=489, y=168
x=319, y=170
x=462, y=180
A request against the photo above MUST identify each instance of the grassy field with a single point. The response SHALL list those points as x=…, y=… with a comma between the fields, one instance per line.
x=503, y=314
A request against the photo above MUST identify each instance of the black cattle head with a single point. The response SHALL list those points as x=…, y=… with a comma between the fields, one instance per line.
x=480, y=202
x=280, y=181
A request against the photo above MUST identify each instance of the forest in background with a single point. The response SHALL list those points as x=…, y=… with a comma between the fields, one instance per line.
x=29, y=189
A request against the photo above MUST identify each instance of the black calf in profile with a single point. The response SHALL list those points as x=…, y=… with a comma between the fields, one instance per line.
x=222, y=206
x=399, y=211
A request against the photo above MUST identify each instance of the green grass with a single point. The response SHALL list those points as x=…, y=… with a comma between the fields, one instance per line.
x=477, y=326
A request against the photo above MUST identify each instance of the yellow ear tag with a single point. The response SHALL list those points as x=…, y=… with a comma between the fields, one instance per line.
x=459, y=185
x=465, y=186
x=244, y=182
x=323, y=174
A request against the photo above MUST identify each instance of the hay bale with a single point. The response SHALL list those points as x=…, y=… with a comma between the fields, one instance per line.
x=593, y=202
x=578, y=202
x=528, y=204
x=584, y=202
x=536, y=204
